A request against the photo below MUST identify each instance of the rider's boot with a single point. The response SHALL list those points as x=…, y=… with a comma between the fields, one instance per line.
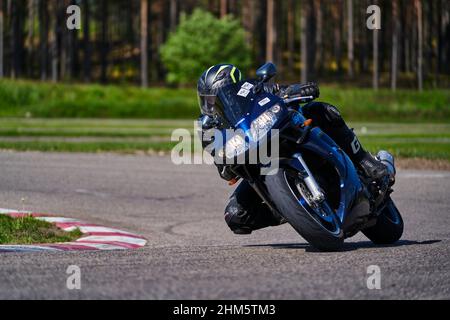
x=362, y=159
x=372, y=168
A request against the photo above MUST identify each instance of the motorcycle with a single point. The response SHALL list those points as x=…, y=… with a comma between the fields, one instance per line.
x=316, y=188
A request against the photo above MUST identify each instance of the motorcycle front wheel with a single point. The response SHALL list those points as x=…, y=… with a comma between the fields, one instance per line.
x=317, y=224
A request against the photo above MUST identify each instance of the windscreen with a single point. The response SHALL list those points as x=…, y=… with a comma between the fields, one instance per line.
x=235, y=101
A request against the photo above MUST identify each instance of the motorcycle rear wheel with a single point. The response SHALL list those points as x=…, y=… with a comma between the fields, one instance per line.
x=389, y=226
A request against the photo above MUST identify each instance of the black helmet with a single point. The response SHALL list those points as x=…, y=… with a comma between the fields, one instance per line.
x=211, y=81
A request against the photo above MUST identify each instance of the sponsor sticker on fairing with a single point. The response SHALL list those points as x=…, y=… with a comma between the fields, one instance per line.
x=243, y=93
x=245, y=89
x=247, y=86
x=264, y=101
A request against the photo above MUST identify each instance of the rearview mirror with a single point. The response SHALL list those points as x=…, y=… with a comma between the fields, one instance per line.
x=266, y=72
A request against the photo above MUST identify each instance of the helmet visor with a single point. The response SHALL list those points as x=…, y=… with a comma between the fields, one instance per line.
x=207, y=103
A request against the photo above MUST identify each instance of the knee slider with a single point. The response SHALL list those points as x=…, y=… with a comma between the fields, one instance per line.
x=235, y=215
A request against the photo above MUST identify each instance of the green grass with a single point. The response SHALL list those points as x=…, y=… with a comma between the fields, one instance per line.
x=423, y=140
x=88, y=128
x=29, y=230
x=46, y=100
x=428, y=141
x=432, y=151
x=387, y=106
x=91, y=147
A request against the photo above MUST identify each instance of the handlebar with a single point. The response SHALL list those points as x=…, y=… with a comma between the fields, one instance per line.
x=298, y=99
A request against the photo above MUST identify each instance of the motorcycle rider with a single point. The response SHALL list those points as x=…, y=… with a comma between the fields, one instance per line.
x=245, y=211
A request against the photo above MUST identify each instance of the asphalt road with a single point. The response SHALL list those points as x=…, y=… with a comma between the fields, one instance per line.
x=191, y=254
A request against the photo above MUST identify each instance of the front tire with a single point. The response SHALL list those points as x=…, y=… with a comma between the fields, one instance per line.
x=389, y=226
x=302, y=217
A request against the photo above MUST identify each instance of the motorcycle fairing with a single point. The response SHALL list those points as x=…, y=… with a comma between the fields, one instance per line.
x=350, y=185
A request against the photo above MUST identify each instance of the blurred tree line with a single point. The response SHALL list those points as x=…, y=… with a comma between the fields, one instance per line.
x=324, y=40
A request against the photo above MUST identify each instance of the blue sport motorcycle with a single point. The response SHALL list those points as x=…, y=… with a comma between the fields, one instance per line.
x=316, y=188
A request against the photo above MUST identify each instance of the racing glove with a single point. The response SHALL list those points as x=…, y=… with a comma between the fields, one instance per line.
x=301, y=90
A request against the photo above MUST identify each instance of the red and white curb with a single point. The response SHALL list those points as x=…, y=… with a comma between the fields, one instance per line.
x=95, y=237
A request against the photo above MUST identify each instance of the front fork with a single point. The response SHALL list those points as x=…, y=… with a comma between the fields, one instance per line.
x=298, y=163
x=313, y=187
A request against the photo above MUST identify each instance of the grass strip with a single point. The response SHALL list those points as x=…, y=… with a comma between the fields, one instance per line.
x=29, y=230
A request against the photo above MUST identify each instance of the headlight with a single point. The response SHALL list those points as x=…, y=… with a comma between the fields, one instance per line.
x=264, y=123
x=258, y=129
x=234, y=147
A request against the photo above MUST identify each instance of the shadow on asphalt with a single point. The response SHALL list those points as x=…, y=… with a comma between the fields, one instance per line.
x=351, y=246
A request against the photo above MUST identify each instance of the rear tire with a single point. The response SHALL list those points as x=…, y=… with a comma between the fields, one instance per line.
x=301, y=218
x=389, y=227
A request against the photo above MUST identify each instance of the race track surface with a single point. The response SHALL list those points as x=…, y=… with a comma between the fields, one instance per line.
x=191, y=253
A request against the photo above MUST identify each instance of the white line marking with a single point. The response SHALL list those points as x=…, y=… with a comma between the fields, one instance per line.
x=424, y=175
x=137, y=241
x=99, y=246
x=8, y=211
x=57, y=219
x=90, y=229
x=22, y=248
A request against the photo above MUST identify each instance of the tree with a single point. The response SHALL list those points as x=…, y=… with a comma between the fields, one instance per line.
x=43, y=38
x=158, y=10
x=439, y=63
x=350, y=53
x=87, y=41
x=319, y=36
x=260, y=38
x=395, y=36
x=144, y=43
x=223, y=8
x=1, y=39
x=444, y=33
x=104, y=44
x=363, y=39
x=307, y=39
x=406, y=65
x=336, y=10
x=16, y=38
x=73, y=52
x=173, y=14
x=34, y=41
x=304, y=42
x=270, y=30
x=53, y=7
x=376, y=72
x=311, y=37
x=291, y=34
x=375, y=52
x=418, y=6
x=248, y=19
x=188, y=52
x=61, y=35
x=31, y=6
